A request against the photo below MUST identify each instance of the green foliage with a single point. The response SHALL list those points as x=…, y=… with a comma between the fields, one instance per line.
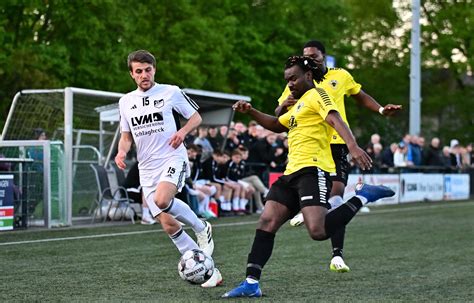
x=240, y=47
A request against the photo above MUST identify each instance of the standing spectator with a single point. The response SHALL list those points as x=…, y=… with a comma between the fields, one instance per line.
x=190, y=137
x=400, y=155
x=215, y=138
x=414, y=152
x=233, y=141
x=456, y=154
x=203, y=142
x=387, y=155
x=377, y=158
x=421, y=144
x=433, y=155
x=249, y=138
x=469, y=155
x=446, y=157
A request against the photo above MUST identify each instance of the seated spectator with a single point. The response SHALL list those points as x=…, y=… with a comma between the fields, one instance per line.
x=235, y=173
x=433, y=155
x=260, y=189
x=134, y=191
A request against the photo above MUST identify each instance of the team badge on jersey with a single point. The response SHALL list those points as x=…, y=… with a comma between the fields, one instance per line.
x=159, y=103
x=333, y=83
x=300, y=106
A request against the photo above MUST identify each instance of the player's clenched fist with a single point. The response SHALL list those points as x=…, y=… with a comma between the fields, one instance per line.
x=242, y=106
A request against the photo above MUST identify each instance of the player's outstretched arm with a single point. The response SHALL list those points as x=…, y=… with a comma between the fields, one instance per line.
x=267, y=121
x=125, y=143
x=367, y=101
x=358, y=154
x=191, y=124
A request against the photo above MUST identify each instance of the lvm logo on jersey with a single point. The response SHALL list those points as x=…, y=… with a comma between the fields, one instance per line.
x=146, y=119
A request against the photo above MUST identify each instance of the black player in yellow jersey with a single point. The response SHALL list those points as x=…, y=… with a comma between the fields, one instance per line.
x=337, y=83
x=305, y=184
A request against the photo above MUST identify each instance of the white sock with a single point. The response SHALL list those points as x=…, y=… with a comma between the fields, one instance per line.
x=335, y=202
x=183, y=213
x=226, y=205
x=243, y=203
x=205, y=203
x=146, y=213
x=251, y=281
x=235, y=203
x=183, y=241
x=362, y=199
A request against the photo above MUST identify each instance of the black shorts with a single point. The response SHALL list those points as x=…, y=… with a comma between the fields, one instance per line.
x=340, y=154
x=308, y=186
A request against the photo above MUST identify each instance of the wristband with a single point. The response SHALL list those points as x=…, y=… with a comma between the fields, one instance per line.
x=381, y=110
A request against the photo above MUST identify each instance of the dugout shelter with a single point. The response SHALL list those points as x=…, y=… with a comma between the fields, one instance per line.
x=82, y=128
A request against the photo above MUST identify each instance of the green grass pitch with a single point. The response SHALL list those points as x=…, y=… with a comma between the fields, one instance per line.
x=404, y=253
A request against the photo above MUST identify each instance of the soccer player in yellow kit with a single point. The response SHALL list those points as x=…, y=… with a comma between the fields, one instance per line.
x=337, y=83
x=305, y=184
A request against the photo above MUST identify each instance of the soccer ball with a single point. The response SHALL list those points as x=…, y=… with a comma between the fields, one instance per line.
x=195, y=266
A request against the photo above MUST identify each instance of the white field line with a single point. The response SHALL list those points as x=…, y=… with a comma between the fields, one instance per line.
x=373, y=212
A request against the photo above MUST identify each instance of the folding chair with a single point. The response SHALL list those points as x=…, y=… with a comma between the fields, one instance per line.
x=106, y=198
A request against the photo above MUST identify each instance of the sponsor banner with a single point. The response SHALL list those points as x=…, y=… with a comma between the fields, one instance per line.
x=6, y=223
x=6, y=202
x=421, y=187
x=6, y=211
x=456, y=186
x=390, y=180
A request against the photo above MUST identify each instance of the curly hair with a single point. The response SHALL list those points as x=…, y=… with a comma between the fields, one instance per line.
x=306, y=64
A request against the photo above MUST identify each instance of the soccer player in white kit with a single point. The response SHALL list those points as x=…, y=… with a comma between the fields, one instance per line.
x=149, y=117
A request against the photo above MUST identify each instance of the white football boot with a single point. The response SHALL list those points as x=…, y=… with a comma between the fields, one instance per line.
x=297, y=220
x=214, y=280
x=338, y=265
x=204, y=239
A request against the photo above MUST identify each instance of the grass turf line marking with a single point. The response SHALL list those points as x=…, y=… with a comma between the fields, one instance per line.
x=382, y=211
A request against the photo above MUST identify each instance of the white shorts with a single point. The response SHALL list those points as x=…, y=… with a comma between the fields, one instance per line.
x=174, y=170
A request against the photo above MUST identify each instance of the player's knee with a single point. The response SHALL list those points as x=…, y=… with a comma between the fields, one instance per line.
x=161, y=201
x=317, y=233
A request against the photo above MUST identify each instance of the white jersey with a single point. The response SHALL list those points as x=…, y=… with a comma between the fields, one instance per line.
x=151, y=119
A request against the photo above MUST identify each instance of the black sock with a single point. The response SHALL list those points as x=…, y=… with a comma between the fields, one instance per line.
x=261, y=251
x=337, y=241
x=342, y=215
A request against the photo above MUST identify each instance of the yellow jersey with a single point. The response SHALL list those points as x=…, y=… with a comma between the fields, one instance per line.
x=337, y=83
x=309, y=133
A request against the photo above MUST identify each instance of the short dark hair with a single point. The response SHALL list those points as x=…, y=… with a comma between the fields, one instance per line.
x=317, y=44
x=141, y=56
x=306, y=64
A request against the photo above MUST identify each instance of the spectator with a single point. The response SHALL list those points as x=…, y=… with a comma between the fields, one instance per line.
x=446, y=156
x=249, y=138
x=235, y=173
x=421, y=144
x=456, y=154
x=469, y=155
x=414, y=152
x=134, y=191
x=255, y=181
x=281, y=156
x=377, y=157
x=433, y=156
x=233, y=141
x=204, y=143
x=240, y=128
x=215, y=138
x=387, y=155
x=400, y=155
x=190, y=137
